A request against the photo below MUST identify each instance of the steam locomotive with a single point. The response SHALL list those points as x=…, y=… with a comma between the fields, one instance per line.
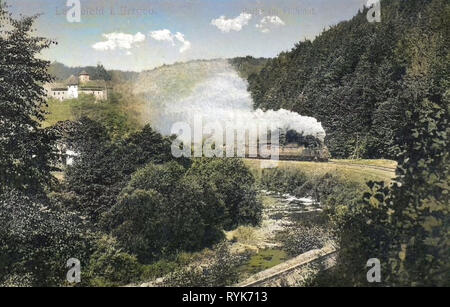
x=294, y=147
x=293, y=152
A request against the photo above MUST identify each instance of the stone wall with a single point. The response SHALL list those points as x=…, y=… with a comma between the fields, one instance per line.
x=294, y=272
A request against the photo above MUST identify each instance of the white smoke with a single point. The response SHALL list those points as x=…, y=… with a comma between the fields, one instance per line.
x=224, y=98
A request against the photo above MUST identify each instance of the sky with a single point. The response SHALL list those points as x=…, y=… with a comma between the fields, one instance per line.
x=143, y=34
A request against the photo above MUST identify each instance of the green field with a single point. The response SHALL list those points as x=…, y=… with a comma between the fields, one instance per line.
x=59, y=111
x=376, y=163
x=357, y=171
x=120, y=114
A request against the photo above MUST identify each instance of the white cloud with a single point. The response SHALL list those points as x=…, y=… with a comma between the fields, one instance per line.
x=269, y=22
x=162, y=35
x=186, y=44
x=117, y=40
x=236, y=24
x=167, y=36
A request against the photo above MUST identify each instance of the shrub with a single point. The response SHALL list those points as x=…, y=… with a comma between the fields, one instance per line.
x=219, y=270
x=162, y=212
x=234, y=188
x=300, y=239
x=36, y=240
x=109, y=266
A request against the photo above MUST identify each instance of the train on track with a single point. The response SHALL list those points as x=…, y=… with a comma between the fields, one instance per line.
x=294, y=146
x=292, y=152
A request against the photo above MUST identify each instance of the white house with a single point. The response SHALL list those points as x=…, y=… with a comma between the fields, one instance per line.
x=74, y=86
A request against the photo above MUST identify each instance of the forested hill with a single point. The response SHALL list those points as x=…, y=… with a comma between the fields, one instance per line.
x=360, y=78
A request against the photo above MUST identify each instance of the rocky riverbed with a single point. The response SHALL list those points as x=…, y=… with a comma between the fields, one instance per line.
x=266, y=244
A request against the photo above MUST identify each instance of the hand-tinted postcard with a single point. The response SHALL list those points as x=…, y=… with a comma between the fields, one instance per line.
x=181, y=144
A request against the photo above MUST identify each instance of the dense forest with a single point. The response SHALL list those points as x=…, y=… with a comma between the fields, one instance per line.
x=359, y=78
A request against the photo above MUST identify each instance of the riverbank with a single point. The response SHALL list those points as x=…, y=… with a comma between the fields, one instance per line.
x=271, y=244
x=327, y=187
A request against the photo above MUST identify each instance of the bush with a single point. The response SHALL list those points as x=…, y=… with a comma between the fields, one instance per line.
x=164, y=267
x=234, y=188
x=36, y=240
x=162, y=212
x=282, y=180
x=109, y=266
x=300, y=239
x=166, y=209
x=219, y=270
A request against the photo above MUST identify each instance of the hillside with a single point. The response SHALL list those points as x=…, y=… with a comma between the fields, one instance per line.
x=360, y=78
x=164, y=86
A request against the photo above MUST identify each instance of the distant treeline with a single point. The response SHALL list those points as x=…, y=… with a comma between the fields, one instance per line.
x=247, y=66
x=61, y=72
x=359, y=78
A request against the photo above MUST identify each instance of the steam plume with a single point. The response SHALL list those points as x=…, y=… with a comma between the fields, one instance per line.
x=223, y=97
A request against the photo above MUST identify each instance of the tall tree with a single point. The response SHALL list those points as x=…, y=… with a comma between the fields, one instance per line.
x=26, y=150
x=101, y=73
